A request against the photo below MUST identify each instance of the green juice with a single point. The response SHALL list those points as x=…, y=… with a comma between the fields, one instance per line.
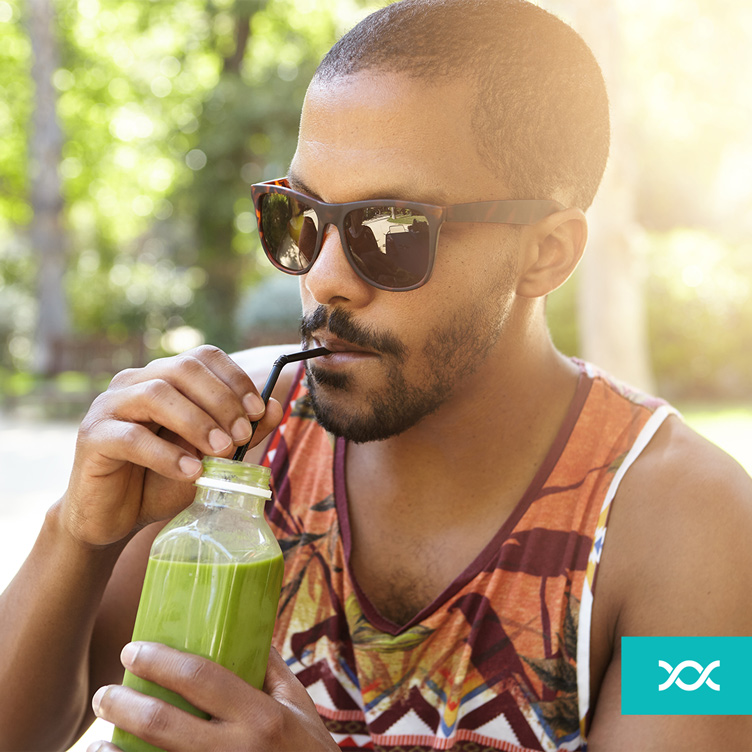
x=224, y=612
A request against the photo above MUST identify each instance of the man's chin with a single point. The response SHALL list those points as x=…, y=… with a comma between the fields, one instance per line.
x=326, y=379
x=336, y=413
x=356, y=429
x=344, y=408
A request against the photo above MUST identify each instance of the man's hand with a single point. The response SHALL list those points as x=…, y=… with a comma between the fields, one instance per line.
x=282, y=718
x=147, y=432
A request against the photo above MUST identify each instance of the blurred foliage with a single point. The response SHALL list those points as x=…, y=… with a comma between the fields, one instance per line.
x=171, y=109
x=700, y=315
x=685, y=105
x=698, y=291
x=727, y=426
x=689, y=104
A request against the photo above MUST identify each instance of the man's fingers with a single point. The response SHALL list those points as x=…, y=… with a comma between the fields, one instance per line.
x=217, y=385
x=232, y=375
x=281, y=684
x=210, y=379
x=133, y=442
x=277, y=672
x=102, y=746
x=204, y=683
x=286, y=721
x=151, y=719
x=272, y=418
x=160, y=403
x=203, y=396
x=161, y=419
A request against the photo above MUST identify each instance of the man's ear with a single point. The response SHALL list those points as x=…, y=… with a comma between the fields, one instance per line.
x=552, y=248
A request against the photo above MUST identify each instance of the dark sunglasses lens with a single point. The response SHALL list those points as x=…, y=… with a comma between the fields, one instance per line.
x=288, y=231
x=389, y=245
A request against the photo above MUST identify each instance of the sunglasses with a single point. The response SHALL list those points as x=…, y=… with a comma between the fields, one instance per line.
x=390, y=244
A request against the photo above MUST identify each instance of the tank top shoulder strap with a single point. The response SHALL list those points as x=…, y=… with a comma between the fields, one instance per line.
x=640, y=415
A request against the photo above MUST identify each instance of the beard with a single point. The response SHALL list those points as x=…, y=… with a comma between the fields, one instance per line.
x=455, y=348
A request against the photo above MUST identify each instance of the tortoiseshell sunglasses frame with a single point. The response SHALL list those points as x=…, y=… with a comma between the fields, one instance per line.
x=504, y=211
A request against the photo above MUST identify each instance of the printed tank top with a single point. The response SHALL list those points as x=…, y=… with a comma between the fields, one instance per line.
x=500, y=661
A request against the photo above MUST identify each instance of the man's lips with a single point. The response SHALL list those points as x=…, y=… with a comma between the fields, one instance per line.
x=336, y=345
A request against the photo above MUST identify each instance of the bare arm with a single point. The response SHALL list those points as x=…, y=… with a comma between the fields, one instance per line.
x=71, y=607
x=677, y=561
x=46, y=620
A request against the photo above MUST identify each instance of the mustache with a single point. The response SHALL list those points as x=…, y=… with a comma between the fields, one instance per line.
x=341, y=324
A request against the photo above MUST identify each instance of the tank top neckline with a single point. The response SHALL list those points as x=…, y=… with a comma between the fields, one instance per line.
x=481, y=561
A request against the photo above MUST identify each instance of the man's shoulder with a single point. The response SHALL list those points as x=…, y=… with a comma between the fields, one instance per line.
x=677, y=561
x=688, y=472
x=679, y=538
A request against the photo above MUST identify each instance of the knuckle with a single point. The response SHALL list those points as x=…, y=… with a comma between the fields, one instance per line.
x=123, y=378
x=156, y=389
x=96, y=405
x=100, y=407
x=91, y=429
x=191, y=669
x=190, y=365
x=206, y=352
x=155, y=719
x=132, y=436
x=88, y=424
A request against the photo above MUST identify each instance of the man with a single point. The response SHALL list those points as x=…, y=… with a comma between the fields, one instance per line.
x=442, y=550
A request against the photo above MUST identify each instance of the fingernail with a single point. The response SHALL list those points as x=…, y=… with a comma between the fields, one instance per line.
x=128, y=654
x=190, y=466
x=96, y=701
x=253, y=404
x=96, y=746
x=219, y=440
x=241, y=429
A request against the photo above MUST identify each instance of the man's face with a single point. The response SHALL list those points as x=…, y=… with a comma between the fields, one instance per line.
x=399, y=355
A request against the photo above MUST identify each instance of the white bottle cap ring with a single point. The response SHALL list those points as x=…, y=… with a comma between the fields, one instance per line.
x=226, y=485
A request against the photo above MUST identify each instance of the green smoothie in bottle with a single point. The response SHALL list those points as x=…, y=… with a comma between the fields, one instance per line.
x=212, y=582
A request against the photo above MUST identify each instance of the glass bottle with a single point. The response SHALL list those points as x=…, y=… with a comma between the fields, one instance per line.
x=213, y=581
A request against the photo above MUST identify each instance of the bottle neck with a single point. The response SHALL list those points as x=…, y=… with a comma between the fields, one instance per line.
x=228, y=483
x=213, y=497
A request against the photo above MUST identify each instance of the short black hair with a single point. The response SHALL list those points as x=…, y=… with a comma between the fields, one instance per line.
x=540, y=115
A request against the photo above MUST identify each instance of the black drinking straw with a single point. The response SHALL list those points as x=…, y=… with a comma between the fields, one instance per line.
x=279, y=364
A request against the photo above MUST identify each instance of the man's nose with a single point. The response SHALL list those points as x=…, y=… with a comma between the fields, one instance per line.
x=331, y=279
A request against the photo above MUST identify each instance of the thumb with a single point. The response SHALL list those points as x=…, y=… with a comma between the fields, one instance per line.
x=281, y=684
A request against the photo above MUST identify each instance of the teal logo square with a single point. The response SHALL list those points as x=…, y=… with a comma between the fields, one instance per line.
x=686, y=676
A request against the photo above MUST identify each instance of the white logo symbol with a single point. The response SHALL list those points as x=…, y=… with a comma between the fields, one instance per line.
x=704, y=676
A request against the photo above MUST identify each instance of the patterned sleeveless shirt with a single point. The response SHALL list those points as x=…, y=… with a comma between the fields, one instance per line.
x=500, y=660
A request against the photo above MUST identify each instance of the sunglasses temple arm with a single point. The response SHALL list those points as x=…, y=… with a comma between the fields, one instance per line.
x=271, y=382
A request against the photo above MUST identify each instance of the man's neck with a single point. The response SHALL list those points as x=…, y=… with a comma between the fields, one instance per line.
x=494, y=433
x=424, y=504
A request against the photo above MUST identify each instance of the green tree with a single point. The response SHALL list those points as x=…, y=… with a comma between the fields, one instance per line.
x=169, y=111
x=46, y=232
x=247, y=133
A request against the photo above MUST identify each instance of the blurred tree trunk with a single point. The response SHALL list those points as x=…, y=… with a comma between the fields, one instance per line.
x=611, y=312
x=216, y=223
x=46, y=230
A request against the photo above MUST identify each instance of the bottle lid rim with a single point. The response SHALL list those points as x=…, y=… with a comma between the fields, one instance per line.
x=226, y=485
